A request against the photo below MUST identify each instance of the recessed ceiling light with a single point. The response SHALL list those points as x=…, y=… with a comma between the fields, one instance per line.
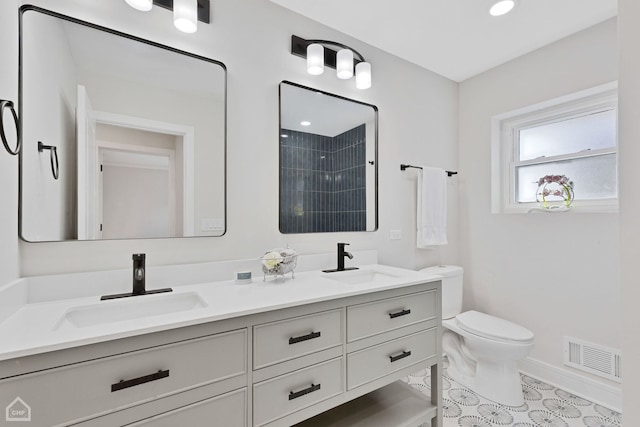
x=502, y=7
x=305, y=123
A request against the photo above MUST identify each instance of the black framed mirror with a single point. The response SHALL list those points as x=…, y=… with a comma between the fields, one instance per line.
x=328, y=162
x=138, y=130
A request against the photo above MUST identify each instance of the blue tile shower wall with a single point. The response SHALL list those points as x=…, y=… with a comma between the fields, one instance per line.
x=322, y=182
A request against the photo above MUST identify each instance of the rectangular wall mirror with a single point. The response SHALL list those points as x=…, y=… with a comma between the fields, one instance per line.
x=328, y=162
x=139, y=131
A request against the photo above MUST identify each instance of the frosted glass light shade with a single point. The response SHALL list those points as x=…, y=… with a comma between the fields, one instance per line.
x=363, y=75
x=344, y=64
x=502, y=7
x=315, y=59
x=185, y=15
x=143, y=5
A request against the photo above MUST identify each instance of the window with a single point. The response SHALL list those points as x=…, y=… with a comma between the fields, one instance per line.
x=575, y=136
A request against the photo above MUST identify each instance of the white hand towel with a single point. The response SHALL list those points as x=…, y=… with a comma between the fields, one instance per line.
x=432, y=207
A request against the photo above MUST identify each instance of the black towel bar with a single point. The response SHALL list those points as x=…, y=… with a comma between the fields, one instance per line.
x=404, y=167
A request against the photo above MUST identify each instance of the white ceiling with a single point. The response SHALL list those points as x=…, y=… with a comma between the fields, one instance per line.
x=454, y=38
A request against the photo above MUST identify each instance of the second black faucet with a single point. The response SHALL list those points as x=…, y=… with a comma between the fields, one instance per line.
x=342, y=254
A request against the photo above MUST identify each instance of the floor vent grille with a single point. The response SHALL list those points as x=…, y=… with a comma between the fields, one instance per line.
x=593, y=358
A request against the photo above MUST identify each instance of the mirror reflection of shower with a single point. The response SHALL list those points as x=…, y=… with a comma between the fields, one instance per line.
x=328, y=162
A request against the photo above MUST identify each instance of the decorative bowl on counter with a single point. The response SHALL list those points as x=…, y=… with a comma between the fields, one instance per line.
x=278, y=262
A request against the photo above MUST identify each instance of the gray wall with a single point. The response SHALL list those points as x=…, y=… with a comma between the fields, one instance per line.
x=558, y=275
x=8, y=164
x=421, y=103
x=629, y=135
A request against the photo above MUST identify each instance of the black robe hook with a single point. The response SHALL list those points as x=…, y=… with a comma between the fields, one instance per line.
x=53, y=158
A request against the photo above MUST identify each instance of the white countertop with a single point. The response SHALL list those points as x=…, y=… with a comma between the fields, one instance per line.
x=38, y=327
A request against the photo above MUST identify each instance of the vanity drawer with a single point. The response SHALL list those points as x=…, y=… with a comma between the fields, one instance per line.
x=229, y=410
x=375, y=362
x=365, y=320
x=283, y=395
x=287, y=339
x=98, y=386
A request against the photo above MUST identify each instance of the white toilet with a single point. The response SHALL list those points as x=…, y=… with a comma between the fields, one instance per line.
x=483, y=350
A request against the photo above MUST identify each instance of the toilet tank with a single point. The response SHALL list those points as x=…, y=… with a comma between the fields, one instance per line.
x=451, y=288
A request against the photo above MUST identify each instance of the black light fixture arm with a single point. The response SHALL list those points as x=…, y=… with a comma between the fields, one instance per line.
x=340, y=45
x=299, y=48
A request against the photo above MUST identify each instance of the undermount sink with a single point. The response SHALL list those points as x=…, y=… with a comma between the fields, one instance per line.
x=356, y=277
x=129, y=309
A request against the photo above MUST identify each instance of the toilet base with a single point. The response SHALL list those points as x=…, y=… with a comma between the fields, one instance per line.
x=496, y=380
x=499, y=382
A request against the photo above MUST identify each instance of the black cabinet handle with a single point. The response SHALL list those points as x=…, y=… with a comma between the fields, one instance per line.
x=297, y=394
x=301, y=338
x=400, y=356
x=140, y=380
x=399, y=313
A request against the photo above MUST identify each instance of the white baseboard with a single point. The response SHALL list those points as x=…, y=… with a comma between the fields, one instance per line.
x=587, y=388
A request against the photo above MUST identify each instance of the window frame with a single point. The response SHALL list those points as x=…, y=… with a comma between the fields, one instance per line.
x=505, y=146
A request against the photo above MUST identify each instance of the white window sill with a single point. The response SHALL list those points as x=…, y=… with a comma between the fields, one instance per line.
x=577, y=208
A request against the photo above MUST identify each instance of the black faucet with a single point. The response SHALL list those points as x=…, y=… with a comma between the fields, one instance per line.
x=341, y=256
x=139, y=286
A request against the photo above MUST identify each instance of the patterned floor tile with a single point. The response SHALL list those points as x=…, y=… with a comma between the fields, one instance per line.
x=545, y=406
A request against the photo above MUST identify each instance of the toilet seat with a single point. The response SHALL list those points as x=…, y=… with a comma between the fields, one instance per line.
x=494, y=328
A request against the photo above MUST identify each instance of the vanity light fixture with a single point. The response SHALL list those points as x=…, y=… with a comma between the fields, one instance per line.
x=143, y=5
x=502, y=7
x=315, y=59
x=318, y=55
x=186, y=13
x=305, y=123
x=344, y=64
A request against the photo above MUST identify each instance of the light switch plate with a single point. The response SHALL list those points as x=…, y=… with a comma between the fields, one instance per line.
x=212, y=224
x=395, y=234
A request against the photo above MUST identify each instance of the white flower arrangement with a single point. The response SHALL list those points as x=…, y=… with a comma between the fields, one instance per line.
x=278, y=262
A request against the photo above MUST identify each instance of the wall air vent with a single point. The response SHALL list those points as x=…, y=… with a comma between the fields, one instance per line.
x=593, y=358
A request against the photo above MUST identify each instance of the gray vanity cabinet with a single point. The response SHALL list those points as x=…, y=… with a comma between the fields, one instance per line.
x=190, y=368
x=309, y=364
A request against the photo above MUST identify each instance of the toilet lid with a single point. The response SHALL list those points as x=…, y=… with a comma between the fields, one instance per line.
x=488, y=326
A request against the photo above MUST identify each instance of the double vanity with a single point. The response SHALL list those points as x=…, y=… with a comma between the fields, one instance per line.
x=323, y=349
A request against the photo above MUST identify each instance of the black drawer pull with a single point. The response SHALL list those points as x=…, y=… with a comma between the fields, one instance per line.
x=297, y=394
x=399, y=313
x=140, y=380
x=400, y=356
x=312, y=335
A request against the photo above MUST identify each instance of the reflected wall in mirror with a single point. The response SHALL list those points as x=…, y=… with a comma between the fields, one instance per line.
x=328, y=162
x=139, y=129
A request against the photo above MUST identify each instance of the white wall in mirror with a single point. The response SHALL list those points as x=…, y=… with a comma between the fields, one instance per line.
x=129, y=84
